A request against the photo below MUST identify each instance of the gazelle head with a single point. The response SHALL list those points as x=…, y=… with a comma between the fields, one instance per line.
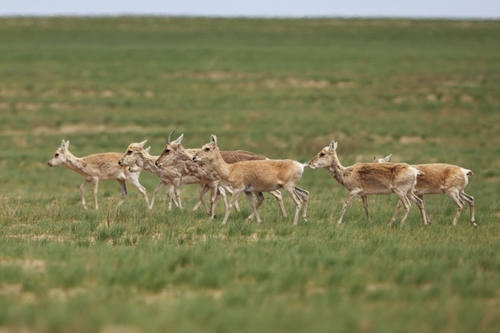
x=207, y=152
x=325, y=157
x=60, y=156
x=131, y=157
x=168, y=155
x=381, y=160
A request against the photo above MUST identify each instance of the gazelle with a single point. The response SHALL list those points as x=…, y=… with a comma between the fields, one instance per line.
x=97, y=167
x=255, y=176
x=440, y=178
x=138, y=157
x=365, y=179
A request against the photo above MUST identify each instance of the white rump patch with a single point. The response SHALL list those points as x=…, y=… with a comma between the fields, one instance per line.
x=465, y=172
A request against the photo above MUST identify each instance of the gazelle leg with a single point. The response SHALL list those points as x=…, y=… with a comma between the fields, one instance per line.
x=202, y=192
x=305, y=196
x=176, y=183
x=199, y=202
x=406, y=204
x=455, y=196
x=260, y=199
x=365, y=206
x=421, y=197
x=213, y=199
x=421, y=205
x=234, y=197
x=277, y=195
x=124, y=192
x=230, y=190
x=155, y=193
x=298, y=203
x=254, y=208
x=171, y=196
x=346, y=204
x=470, y=200
x=135, y=183
x=395, y=213
x=95, y=188
x=82, y=192
x=220, y=193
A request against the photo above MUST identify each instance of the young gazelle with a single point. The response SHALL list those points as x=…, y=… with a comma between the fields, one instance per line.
x=440, y=178
x=138, y=157
x=255, y=176
x=365, y=179
x=97, y=167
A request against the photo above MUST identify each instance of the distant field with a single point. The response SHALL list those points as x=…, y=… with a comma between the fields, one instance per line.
x=422, y=90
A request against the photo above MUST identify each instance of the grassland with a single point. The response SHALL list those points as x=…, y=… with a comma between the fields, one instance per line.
x=425, y=91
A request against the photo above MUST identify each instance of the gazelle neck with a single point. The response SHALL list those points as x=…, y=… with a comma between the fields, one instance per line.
x=75, y=163
x=147, y=162
x=220, y=166
x=336, y=170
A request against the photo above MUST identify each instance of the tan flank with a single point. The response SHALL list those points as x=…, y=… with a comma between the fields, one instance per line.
x=97, y=167
x=365, y=179
x=255, y=176
x=235, y=156
x=440, y=178
x=175, y=154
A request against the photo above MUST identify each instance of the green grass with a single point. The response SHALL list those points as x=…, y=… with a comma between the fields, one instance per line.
x=423, y=90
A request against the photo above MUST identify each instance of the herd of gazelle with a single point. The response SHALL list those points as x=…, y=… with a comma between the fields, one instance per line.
x=241, y=171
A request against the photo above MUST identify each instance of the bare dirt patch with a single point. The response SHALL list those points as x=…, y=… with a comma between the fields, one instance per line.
x=32, y=265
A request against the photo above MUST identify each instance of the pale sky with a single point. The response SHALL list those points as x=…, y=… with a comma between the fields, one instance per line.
x=474, y=9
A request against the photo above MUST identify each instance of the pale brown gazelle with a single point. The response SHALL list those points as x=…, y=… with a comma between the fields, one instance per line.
x=255, y=176
x=136, y=157
x=97, y=167
x=441, y=178
x=365, y=179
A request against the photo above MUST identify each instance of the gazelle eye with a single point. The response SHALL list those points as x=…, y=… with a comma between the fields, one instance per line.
x=207, y=149
x=130, y=152
x=56, y=155
x=167, y=150
x=321, y=155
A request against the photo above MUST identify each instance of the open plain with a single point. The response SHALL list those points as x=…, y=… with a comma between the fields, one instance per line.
x=425, y=91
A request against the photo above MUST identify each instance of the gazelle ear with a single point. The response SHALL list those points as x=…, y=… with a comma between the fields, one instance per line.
x=333, y=146
x=213, y=139
x=387, y=158
x=179, y=140
x=147, y=149
x=375, y=158
x=142, y=143
x=64, y=145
